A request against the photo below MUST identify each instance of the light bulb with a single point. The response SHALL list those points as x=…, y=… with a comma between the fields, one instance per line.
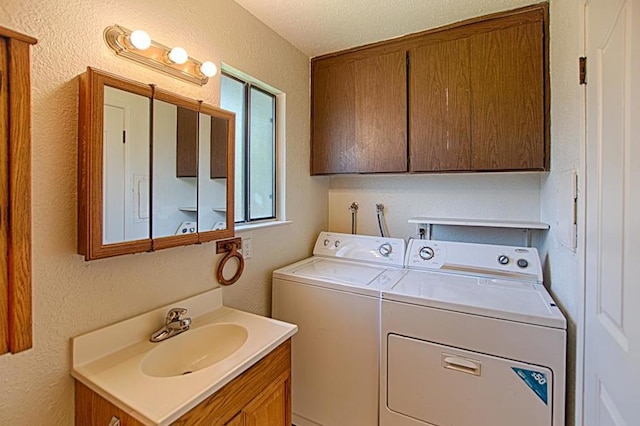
x=140, y=40
x=208, y=68
x=178, y=55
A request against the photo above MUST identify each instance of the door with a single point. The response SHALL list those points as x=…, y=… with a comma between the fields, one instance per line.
x=359, y=113
x=612, y=266
x=434, y=384
x=440, y=106
x=507, y=86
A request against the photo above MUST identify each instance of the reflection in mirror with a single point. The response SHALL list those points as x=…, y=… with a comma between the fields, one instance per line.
x=175, y=190
x=212, y=187
x=125, y=166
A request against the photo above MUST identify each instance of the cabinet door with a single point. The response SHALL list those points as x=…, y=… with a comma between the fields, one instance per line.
x=507, y=83
x=440, y=107
x=269, y=408
x=238, y=420
x=359, y=113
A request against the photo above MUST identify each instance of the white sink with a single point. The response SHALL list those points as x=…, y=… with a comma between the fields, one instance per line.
x=194, y=350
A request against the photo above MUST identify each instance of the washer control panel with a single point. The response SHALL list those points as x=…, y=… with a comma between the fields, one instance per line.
x=389, y=251
x=494, y=261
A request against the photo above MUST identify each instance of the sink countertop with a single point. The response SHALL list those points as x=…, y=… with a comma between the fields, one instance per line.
x=108, y=360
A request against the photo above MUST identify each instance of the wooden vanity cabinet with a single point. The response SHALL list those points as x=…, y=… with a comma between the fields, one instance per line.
x=477, y=100
x=359, y=118
x=261, y=396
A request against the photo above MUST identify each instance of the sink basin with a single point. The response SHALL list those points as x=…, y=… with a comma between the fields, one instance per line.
x=194, y=350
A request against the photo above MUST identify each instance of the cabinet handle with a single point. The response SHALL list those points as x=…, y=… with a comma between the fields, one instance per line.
x=114, y=421
x=463, y=365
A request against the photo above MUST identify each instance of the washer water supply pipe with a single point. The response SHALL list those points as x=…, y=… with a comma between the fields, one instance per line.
x=354, y=216
x=384, y=232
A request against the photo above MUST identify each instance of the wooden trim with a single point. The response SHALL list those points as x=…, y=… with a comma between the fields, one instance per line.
x=4, y=206
x=547, y=88
x=7, y=33
x=20, y=320
x=229, y=232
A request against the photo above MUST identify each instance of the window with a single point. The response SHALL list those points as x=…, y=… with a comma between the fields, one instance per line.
x=255, y=163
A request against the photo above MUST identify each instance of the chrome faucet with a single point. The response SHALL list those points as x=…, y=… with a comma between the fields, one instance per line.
x=174, y=324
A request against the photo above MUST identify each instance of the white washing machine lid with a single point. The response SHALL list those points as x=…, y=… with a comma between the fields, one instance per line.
x=354, y=277
x=521, y=301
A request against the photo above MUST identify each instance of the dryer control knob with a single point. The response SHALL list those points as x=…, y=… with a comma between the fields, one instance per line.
x=426, y=253
x=336, y=244
x=326, y=242
x=503, y=259
x=523, y=263
x=385, y=249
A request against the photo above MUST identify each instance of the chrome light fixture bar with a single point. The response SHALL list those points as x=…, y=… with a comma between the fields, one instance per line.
x=138, y=46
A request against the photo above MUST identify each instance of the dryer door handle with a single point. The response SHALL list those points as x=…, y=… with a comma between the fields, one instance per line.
x=463, y=365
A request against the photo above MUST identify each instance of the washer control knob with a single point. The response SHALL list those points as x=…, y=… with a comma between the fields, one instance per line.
x=426, y=253
x=336, y=244
x=385, y=249
x=326, y=242
x=503, y=259
x=523, y=263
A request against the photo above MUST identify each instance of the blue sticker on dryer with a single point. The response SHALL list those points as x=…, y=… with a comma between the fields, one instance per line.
x=536, y=380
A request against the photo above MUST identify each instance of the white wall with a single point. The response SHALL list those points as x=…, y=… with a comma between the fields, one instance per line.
x=72, y=296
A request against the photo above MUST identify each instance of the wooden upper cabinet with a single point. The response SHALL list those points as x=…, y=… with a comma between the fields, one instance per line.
x=508, y=99
x=359, y=113
x=477, y=100
x=440, y=106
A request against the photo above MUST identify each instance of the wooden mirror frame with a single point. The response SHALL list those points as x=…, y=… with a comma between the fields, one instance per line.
x=91, y=176
x=230, y=158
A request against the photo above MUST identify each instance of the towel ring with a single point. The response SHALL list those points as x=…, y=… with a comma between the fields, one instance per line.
x=229, y=246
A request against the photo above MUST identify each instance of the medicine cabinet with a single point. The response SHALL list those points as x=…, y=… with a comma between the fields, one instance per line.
x=155, y=169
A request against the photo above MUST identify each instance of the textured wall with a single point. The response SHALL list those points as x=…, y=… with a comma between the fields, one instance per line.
x=482, y=196
x=72, y=296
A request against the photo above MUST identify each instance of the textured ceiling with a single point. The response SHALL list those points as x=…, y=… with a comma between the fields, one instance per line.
x=317, y=27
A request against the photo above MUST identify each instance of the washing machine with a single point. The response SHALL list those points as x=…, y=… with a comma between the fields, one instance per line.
x=334, y=299
x=470, y=336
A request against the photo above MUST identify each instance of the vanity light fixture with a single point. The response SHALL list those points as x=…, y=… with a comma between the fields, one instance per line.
x=139, y=47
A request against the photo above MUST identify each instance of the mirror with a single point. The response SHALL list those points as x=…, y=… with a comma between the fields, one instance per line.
x=155, y=169
x=175, y=161
x=215, y=187
x=125, y=166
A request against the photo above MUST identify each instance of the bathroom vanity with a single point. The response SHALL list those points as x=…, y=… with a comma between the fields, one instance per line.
x=229, y=368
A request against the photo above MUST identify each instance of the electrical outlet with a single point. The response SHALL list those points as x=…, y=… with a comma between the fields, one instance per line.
x=247, y=248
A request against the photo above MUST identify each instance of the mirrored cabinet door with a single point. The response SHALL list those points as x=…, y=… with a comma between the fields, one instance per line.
x=175, y=167
x=113, y=166
x=125, y=168
x=155, y=170
x=215, y=173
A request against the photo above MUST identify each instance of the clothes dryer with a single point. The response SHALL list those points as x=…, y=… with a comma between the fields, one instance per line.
x=470, y=336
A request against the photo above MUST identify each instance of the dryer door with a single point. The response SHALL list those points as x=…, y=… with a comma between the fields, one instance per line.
x=440, y=385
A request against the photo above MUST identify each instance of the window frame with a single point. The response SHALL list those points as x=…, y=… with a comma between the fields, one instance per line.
x=248, y=85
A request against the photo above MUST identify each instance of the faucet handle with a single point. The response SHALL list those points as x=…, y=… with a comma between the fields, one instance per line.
x=175, y=313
